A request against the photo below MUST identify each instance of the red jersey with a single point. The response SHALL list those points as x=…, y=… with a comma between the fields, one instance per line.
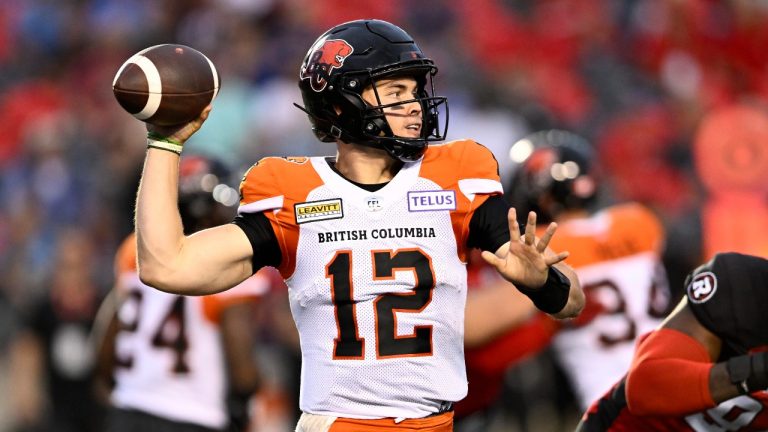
x=743, y=413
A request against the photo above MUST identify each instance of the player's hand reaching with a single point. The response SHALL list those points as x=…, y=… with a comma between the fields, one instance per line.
x=179, y=134
x=525, y=260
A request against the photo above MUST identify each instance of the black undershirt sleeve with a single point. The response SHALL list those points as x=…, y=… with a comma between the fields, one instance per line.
x=266, y=250
x=488, y=228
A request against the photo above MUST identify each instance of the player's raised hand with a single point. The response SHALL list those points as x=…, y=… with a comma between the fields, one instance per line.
x=525, y=260
x=179, y=133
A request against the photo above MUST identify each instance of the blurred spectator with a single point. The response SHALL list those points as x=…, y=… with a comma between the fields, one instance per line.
x=52, y=362
x=8, y=327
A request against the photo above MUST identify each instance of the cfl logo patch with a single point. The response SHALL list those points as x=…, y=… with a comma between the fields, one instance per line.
x=373, y=203
x=702, y=287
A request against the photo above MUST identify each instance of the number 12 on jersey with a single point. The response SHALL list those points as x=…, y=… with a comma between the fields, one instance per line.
x=349, y=345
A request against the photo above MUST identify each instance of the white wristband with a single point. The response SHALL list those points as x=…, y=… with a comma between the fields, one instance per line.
x=164, y=145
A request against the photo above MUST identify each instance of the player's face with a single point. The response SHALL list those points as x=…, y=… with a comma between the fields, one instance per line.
x=404, y=119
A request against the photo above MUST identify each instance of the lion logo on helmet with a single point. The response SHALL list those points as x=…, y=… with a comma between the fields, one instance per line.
x=324, y=57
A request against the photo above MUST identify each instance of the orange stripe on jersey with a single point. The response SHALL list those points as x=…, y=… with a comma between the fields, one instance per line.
x=447, y=165
x=613, y=233
x=125, y=259
x=289, y=178
x=438, y=423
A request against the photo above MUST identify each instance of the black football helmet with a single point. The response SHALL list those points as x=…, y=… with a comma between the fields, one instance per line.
x=345, y=60
x=205, y=199
x=554, y=173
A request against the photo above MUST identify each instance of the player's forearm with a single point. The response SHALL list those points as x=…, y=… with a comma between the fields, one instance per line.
x=159, y=230
x=205, y=262
x=576, y=298
x=494, y=310
x=720, y=386
x=670, y=375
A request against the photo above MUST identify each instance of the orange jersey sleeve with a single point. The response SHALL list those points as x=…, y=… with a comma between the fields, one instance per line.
x=273, y=186
x=468, y=168
x=464, y=165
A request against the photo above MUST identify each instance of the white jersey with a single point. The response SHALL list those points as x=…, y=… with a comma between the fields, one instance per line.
x=169, y=354
x=377, y=280
x=616, y=254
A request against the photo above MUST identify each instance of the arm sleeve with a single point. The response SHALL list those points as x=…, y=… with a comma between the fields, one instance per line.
x=489, y=228
x=514, y=346
x=669, y=376
x=266, y=250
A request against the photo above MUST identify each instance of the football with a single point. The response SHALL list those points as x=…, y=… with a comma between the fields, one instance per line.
x=166, y=85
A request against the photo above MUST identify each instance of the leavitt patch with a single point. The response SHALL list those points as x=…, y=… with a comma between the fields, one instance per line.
x=314, y=211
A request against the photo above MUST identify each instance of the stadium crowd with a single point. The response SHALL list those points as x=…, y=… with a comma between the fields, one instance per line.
x=638, y=78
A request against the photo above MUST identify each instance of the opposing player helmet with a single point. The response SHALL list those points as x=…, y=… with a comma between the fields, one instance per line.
x=348, y=58
x=554, y=173
x=205, y=198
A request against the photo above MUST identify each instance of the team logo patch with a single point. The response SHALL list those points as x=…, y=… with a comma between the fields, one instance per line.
x=702, y=287
x=314, y=211
x=431, y=200
x=373, y=203
x=325, y=56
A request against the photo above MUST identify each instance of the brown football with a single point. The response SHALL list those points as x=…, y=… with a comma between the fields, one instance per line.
x=166, y=85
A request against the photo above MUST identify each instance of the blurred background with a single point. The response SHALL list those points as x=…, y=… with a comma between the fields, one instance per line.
x=637, y=78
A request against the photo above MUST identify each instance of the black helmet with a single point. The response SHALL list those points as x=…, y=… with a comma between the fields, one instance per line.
x=555, y=173
x=348, y=58
x=205, y=199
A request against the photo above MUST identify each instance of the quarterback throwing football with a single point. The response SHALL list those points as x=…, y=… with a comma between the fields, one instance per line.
x=372, y=243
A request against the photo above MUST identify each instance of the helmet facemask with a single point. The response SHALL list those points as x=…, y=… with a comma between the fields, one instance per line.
x=367, y=124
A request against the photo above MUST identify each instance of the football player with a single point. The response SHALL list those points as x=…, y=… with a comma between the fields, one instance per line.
x=616, y=252
x=371, y=243
x=706, y=367
x=182, y=363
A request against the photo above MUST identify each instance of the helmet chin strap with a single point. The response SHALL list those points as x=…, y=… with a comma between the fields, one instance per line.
x=406, y=153
x=403, y=152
